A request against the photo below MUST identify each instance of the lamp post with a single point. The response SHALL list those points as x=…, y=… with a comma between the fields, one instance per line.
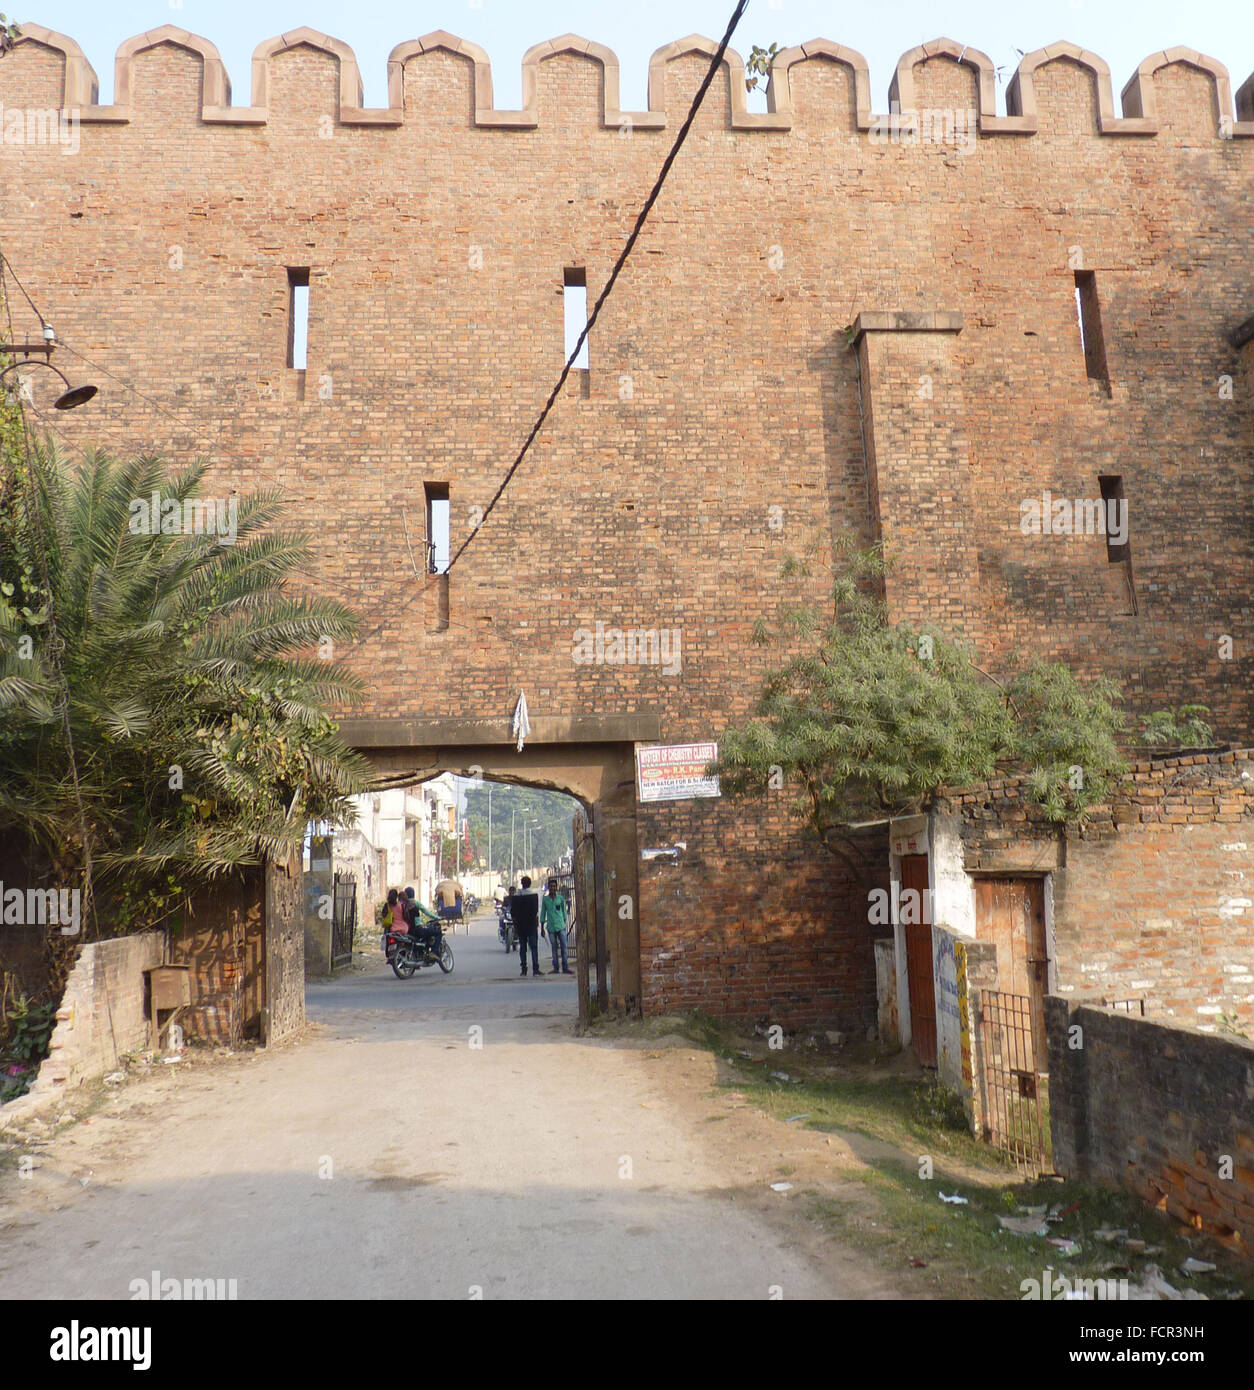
x=72, y=396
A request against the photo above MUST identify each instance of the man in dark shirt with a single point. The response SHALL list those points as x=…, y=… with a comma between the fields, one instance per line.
x=525, y=906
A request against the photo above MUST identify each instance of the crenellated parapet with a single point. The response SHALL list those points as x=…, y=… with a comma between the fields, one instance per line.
x=1139, y=117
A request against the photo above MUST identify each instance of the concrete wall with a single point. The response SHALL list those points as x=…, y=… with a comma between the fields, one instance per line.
x=284, y=1011
x=103, y=1012
x=888, y=1018
x=1162, y=1111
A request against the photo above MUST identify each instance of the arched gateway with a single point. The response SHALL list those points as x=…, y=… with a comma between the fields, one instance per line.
x=590, y=757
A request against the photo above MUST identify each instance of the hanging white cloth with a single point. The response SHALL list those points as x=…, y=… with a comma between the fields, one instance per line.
x=522, y=725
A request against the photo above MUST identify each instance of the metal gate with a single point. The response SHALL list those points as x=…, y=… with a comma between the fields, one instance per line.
x=1014, y=1082
x=343, y=919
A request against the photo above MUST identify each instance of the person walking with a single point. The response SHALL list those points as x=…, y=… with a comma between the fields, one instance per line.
x=525, y=909
x=553, y=923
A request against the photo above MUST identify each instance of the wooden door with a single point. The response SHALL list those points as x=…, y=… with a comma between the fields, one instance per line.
x=920, y=970
x=1010, y=912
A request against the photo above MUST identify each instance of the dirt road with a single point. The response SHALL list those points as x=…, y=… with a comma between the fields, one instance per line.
x=436, y=1138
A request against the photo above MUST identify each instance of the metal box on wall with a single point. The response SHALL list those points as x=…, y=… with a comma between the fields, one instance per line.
x=171, y=986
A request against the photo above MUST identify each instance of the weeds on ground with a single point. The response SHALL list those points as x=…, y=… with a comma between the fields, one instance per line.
x=924, y=1147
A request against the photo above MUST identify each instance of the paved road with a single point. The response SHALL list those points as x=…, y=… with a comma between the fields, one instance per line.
x=443, y=1137
x=484, y=974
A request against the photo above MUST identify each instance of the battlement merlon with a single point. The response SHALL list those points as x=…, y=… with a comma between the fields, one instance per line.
x=80, y=87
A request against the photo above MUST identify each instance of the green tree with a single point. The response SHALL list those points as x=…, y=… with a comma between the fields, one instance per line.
x=869, y=719
x=549, y=840
x=758, y=68
x=9, y=34
x=163, y=701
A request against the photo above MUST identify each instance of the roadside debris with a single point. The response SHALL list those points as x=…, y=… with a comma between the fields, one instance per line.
x=1023, y=1225
x=1154, y=1286
x=955, y=1200
x=781, y=1187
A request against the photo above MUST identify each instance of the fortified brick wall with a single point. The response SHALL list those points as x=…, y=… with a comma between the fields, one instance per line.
x=725, y=422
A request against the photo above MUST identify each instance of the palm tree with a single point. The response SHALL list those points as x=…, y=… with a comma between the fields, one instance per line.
x=163, y=695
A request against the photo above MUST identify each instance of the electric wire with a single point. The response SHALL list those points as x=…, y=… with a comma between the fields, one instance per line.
x=641, y=218
x=602, y=299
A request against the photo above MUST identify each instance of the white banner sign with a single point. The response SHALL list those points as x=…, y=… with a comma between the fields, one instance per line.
x=676, y=772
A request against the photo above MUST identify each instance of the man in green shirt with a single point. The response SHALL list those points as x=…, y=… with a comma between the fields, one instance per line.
x=553, y=922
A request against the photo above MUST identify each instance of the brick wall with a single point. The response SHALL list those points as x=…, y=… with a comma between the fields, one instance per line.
x=1154, y=897
x=103, y=1012
x=787, y=942
x=223, y=939
x=721, y=427
x=1158, y=1110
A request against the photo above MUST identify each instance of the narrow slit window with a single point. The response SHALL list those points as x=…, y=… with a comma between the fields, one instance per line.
x=1118, y=532
x=1089, y=316
x=297, y=316
x=437, y=528
x=575, y=295
x=1115, y=517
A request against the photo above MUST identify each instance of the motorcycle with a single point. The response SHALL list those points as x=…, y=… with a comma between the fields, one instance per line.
x=409, y=952
x=505, y=928
x=471, y=904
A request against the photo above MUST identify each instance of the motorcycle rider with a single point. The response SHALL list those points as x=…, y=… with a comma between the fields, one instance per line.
x=419, y=919
x=505, y=908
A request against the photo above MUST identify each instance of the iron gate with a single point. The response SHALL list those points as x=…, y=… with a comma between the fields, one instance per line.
x=343, y=919
x=1015, y=1082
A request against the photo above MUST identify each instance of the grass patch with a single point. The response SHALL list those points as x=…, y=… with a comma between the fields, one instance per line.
x=966, y=1252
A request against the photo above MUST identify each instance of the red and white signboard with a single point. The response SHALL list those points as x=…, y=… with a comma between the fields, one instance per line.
x=675, y=772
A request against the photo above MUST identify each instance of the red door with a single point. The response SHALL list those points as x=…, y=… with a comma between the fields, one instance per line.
x=920, y=972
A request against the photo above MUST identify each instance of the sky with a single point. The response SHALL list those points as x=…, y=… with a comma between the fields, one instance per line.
x=1123, y=32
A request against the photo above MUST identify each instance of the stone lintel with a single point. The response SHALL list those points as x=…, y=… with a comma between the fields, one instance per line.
x=907, y=321
x=428, y=732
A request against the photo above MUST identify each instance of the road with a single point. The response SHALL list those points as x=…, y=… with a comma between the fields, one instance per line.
x=442, y=1137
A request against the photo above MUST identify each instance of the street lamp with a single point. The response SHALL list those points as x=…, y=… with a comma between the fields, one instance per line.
x=72, y=396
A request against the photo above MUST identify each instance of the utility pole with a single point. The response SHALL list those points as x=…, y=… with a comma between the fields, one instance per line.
x=490, y=869
x=512, y=814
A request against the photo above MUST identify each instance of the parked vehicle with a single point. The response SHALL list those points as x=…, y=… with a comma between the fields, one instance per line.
x=409, y=952
x=505, y=927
